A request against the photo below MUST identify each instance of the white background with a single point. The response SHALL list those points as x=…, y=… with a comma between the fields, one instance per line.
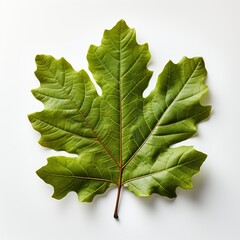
x=173, y=29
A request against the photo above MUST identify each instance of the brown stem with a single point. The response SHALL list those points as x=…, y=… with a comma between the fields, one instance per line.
x=118, y=195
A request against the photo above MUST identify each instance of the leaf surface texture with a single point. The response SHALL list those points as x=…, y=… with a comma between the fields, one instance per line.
x=119, y=138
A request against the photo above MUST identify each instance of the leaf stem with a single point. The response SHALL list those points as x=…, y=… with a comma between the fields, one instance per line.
x=118, y=194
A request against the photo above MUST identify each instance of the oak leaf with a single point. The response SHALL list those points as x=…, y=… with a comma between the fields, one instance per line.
x=120, y=138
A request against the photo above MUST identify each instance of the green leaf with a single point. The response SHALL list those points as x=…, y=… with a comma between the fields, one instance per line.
x=119, y=138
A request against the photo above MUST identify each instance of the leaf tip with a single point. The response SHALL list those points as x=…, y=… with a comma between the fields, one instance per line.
x=39, y=57
x=122, y=22
x=38, y=172
x=30, y=117
x=122, y=26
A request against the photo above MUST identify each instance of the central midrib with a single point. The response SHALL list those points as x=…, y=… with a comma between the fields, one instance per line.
x=119, y=185
x=120, y=99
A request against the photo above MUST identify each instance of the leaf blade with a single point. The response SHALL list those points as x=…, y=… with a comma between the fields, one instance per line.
x=120, y=137
x=79, y=174
x=171, y=169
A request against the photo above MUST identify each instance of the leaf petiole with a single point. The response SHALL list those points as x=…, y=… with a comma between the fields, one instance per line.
x=118, y=194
